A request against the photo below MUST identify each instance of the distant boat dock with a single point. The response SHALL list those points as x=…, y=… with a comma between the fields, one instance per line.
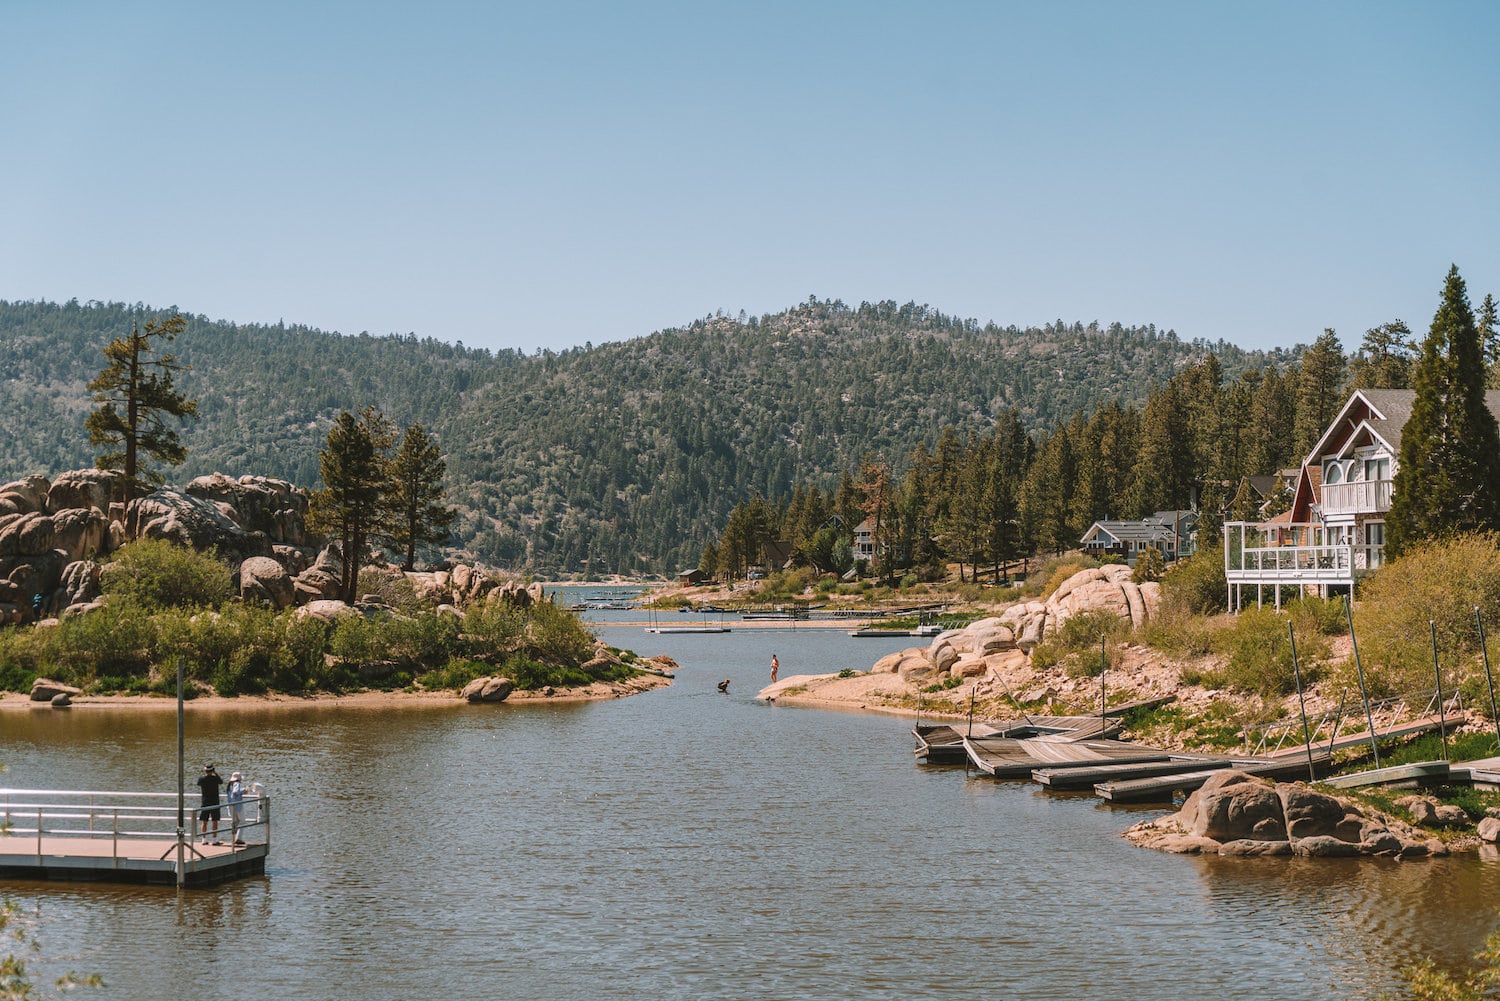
x=126, y=837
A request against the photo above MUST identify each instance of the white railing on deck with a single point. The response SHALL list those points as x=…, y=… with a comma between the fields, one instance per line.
x=1359, y=497
x=1280, y=553
x=54, y=813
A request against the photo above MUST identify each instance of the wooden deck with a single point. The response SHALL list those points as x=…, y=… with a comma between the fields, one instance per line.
x=1164, y=787
x=125, y=860
x=1006, y=757
x=943, y=743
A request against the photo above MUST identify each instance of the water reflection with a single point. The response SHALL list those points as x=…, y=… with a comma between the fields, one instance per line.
x=686, y=844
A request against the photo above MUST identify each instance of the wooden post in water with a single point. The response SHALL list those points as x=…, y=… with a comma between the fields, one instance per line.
x=1479, y=621
x=1301, y=702
x=971, y=714
x=1364, y=693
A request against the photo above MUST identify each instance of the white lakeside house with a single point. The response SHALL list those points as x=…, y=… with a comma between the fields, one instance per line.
x=1334, y=532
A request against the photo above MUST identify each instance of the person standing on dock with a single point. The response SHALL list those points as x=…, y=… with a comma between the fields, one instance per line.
x=234, y=794
x=775, y=667
x=208, y=813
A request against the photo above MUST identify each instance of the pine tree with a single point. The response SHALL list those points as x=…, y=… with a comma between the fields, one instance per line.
x=419, y=516
x=1449, y=477
x=1489, y=337
x=136, y=393
x=1319, y=390
x=354, y=502
x=1384, y=359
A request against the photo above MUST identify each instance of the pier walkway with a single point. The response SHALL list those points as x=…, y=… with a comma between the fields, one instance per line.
x=126, y=837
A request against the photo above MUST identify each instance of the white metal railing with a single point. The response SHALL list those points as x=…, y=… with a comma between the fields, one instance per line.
x=120, y=816
x=1292, y=554
x=1359, y=497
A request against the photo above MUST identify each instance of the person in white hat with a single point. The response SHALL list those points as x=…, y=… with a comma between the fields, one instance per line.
x=234, y=793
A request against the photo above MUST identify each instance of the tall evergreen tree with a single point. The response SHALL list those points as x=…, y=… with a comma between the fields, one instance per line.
x=419, y=516
x=1384, y=359
x=1489, y=337
x=353, y=503
x=1449, y=477
x=136, y=393
x=1164, y=473
x=1319, y=389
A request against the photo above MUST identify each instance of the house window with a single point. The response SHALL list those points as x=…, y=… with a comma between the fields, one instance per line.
x=1375, y=539
x=1333, y=473
x=1378, y=469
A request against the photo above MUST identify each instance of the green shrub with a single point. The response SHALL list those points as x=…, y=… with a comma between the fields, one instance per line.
x=422, y=642
x=555, y=635
x=155, y=573
x=1260, y=655
x=390, y=588
x=117, y=639
x=1180, y=633
x=1314, y=616
x=1149, y=566
x=353, y=643
x=1053, y=573
x=1442, y=581
x=454, y=675
x=1197, y=584
x=492, y=631
x=1082, y=631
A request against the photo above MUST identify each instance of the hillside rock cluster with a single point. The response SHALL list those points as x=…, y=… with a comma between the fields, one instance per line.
x=56, y=536
x=1237, y=814
x=998, y=646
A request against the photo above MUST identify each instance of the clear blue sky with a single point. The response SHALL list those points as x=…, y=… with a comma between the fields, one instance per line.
x=547, y=174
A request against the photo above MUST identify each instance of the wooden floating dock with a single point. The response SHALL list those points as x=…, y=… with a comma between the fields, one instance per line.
x=1414, y=774
x=943, y=743
x=123, y=837
x=1007, y=758
x=1164, y=787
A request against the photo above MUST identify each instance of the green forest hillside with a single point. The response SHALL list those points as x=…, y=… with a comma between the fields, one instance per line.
x=625, y=457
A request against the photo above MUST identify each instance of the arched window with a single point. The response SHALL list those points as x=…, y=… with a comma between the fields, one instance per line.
x=1333, y=473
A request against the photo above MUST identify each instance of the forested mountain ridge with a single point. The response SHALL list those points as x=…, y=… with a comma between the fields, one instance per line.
x=626, y=456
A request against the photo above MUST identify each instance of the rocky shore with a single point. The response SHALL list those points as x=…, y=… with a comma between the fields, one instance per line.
x=1235, y=814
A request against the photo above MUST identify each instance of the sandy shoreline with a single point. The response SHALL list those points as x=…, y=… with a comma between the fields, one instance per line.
x=597, y=692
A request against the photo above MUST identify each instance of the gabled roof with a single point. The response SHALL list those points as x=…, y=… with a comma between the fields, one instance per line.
x=1130, y=531
x=1383, y=412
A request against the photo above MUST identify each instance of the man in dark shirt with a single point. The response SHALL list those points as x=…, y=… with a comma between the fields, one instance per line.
x=208, y=785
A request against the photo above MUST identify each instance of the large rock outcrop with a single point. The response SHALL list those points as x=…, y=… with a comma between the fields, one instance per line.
x=194, y=522
x=997, y=646
x=1238, y=814
x=275, y=508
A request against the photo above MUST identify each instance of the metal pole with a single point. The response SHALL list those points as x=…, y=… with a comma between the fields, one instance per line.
x=1479, y=621
x=971, y=714
x=1301, y=703
x=1102, y=666
x=1442, y=714
x=1337, y=720
x=1363, y=691
x=181, y=780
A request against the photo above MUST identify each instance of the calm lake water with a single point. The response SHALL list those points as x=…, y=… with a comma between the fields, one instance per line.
x=687, y=844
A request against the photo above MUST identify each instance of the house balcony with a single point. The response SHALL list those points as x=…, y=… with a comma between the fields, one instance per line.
x=1359, y=497
x=1292, y=555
